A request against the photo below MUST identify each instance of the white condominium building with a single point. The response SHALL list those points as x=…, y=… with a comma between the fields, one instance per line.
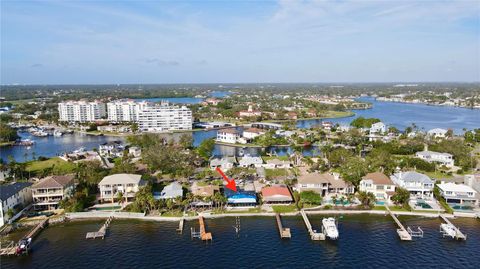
x=164, y=117
x=81, y=111
x=124, y=110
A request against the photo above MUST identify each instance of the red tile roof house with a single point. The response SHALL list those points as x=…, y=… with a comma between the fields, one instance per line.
x=278, y=194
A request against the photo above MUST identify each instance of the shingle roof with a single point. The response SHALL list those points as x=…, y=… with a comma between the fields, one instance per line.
x=8, y=190
x=413, y=176
x=276, y=193
x=54, y=182
x=379, y=178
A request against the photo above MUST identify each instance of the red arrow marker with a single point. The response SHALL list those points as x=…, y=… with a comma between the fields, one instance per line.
x=230, y=183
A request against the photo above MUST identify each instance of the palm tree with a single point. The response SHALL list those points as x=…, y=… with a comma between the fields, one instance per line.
x=366, y=198
x=120, y=197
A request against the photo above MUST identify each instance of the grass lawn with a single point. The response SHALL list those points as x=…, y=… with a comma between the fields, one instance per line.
x=437, y=175
x=174, y=213
x=281, y=158
x=284, y=208
x=272, y=173
x=57, y=164
x=392, y=208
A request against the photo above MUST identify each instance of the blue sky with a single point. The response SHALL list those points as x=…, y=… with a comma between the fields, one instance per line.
x=56, y=42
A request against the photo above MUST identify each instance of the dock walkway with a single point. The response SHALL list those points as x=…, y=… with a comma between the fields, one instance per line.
x=203, y=235
x=402, y=232
x=101, y=232
x=314, y=235
x=284, y=232
x=458, y=233
x=180, y=225
x=11, y=248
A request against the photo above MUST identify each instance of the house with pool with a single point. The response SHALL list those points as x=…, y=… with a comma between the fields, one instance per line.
x=240, y=198
x=459, y=196
x=419, y=185
x=379, y=184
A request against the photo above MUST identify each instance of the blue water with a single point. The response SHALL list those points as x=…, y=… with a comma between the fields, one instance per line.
x=399, y=115
x=402, y=115
x=366, y=241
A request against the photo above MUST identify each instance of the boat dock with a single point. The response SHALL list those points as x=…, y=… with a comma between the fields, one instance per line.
x=402, y=232
x=203, y=235
x=11, y=248
x=458, y=233
x=284, y=232
x=180, y=226
x=101, y=232
x=314, y=235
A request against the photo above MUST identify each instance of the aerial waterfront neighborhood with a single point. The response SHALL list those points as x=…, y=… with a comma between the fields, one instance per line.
x=240, y=134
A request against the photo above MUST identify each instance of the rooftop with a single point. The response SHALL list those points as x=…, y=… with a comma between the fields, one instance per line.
x=8, y=190
x=121, y=179
x=378, y=178
x=54, y=182
x=455, y=187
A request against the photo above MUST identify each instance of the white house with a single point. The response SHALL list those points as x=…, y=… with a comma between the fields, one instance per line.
x=378, y=184
x=111, y=149
x=436, y=157
x=250, y=161
x=419, y=185
x=378, y=127
x=171, y=191
x=323, y=184
x=458, y=193
x=251, y=133
x=277, y=164
x=228, y=136
x=14, y=196
x=225, y=163
x=437, y=133
x=49, y=191
x=127, y=184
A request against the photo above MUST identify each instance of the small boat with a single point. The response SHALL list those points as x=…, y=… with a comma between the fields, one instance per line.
x=57, y=133
x=330, y=228
x=23, y=245
x=79, y=150
x=448, y=229
x=24, y=142
x=40, y=133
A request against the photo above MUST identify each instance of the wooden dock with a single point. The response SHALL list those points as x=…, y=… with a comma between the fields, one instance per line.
x=401, y=231
x=314, y=235
x=11, y=248
x=203, y=235
x=284, y=232
x=101, y=232
x=180, y=226
x=458, y=233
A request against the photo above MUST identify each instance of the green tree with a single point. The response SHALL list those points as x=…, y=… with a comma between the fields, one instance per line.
x=353, y=170
x=205, y=148
x=367, y=199
x=311, y=197
x=401, y=196
x=7, y=133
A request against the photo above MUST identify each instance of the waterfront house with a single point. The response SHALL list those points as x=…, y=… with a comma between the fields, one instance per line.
x=378, y=128
x=127, y=184
x=49, y=191
x=419, y=185
x=277, y=164
x=473, y=181
x=277, y=194
x=324, y=184
x=228, y=136
x=14, y=196
x=204, y=190
x=171, y=191
x=112, y=149
x=379, y=184
x=251, y=133
x=225, y=163
x=241, y=198
x=458, y=193
x=437, y=133
x=250, y=161
x=436, y=157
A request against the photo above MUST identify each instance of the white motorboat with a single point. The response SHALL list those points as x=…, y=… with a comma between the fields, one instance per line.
x=57, y=133
x=330, y=228
x=448, y=229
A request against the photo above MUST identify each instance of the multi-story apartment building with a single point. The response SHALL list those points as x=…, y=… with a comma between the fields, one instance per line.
x=124, y=110
x=81, y=111
x=49, y=191
x=14, y=197
x=164, y=117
